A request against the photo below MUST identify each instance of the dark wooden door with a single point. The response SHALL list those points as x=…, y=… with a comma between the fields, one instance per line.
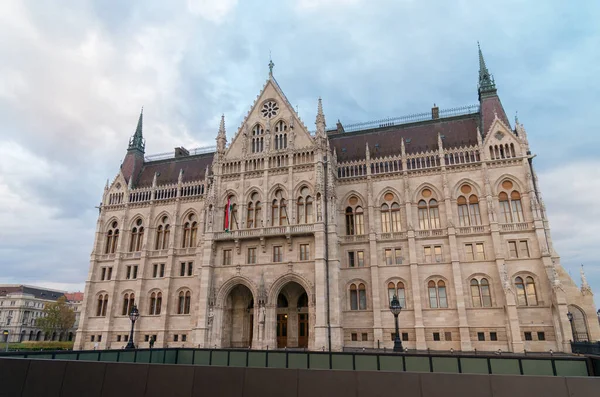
x=281, y=331
x=303, y=330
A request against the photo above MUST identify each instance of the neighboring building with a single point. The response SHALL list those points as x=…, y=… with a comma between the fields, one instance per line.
x=22, y=305
x=226, y=247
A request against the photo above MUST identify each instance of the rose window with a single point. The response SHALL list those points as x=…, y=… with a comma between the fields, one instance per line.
x=270, y=109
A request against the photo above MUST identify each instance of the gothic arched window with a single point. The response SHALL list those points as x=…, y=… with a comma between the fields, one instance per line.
x=112, y=238
x=162, y=234
x=511, y=209
x=155, y=303
x=137, y=236
x=102, y=305
x=526, y=292
x=480, y=293
x=280, y=135
x=355, y=220
x=257, y=138
x=468, y=212
x=390, y=214
x=437, y=294
x=190, y=232
x=184, y=302
x=128, y=302
x=279, y=215
x=254, y=215
x=398, y=290
x=305, y=206
x=358, y=297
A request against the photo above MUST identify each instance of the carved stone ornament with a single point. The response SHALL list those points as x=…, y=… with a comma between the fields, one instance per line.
x=499, y=135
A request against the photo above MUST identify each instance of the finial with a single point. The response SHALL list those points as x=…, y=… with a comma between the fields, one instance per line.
x=585, y=287
x=516, y=117
x=180, y=178
x=106, y=187
x=402, y=147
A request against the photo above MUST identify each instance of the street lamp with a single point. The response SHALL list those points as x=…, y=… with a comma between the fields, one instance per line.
x=570, y=317
x=598, y=314
x=395, y=308
x=133, y=316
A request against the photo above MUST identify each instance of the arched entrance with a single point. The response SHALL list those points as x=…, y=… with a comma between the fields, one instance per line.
x=292, y=325
x=580, y=329
x=238, y=318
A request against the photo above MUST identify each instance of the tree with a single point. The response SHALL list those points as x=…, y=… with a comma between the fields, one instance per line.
x=57, y=316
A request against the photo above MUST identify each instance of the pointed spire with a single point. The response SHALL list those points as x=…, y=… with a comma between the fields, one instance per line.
x=180, y=177
x=402, y=147
x=106, y=186
x=320, y=121
x=137, y=141
x=479, y=140
x=585, y=287
x=221, y=136
x=486, y=80
x=440, y=144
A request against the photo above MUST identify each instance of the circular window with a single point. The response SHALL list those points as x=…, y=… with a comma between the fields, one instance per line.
x=139, y=222
x=353, y=200
x=507, y=184
x=388, y=196
x=426, y=193
x=269, y=109
x=465, y=189
x=254, y=196
x=114, y=225
x=191, y=217
x=165, y=219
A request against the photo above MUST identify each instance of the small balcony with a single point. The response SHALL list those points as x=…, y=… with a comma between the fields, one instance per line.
x=515, y=227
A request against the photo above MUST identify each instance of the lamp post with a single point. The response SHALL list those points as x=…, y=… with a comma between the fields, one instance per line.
x=133, y=316
x=570, y=317
x=395, y=308
x=598, y=314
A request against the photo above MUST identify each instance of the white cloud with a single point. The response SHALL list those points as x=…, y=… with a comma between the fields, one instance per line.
x=312, y=5
x=570, y=193
x=211, y=10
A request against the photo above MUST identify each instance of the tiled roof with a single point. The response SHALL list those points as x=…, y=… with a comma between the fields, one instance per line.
x=490, y=106
x=74, y=296
x=39, y=293
x=421, y=136
x=193, y=167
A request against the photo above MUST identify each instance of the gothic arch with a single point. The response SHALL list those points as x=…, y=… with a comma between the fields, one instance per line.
x=250, y=191
x=278, y=284
x=380, y=200
x=466, y=181
x=518, y=184
x=108, y=224
x=436, y=193
x=134, y=220
x=227, y=193
x=276, y=187
x=395, y=279
x=300, y=185
x=158, y=217
x=343, y=203
x=231, y=284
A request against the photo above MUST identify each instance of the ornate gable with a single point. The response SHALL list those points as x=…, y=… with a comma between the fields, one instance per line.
x=270, y=125
x=501, y=142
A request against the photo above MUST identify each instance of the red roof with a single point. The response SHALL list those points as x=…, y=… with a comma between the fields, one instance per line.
x=74, y=296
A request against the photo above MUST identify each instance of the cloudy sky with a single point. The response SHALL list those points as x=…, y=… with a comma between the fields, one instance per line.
x=74, y=75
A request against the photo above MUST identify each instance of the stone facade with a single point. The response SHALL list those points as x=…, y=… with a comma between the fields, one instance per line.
x=290, y=238
x=22, y=305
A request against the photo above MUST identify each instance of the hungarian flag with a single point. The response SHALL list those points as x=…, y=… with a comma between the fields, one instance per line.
x=228, y=215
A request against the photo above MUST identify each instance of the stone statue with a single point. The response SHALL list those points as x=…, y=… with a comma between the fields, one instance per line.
x=261, y=315
x=211, y=316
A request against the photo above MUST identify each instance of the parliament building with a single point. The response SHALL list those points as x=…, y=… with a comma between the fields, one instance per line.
x=283, y=237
